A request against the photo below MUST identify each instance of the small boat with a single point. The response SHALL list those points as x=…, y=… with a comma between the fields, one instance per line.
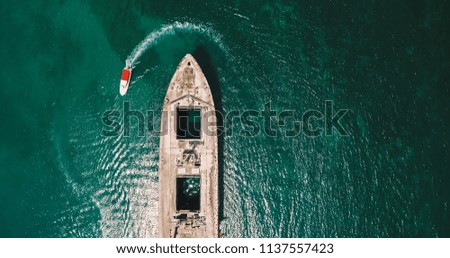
x=125, y=80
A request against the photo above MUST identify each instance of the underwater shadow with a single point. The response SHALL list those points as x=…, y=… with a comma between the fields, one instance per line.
x=204, y=60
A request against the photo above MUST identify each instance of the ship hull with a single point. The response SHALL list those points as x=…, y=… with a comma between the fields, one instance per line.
x=188, y=168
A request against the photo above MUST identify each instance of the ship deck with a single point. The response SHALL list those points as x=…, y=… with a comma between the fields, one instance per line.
x=188, y=170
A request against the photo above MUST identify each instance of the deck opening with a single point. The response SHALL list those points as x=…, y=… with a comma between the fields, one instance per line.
x=188, y=193
x=188, y=123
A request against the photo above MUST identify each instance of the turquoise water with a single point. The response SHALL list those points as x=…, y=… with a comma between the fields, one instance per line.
x=385, y=61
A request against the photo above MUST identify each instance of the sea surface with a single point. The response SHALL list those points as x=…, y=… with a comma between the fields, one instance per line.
x=386, y=62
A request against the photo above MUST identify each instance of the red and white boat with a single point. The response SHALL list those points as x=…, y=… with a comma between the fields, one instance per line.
x=125, y=80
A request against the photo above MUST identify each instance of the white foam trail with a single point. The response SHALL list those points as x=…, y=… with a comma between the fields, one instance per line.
x=172, y=29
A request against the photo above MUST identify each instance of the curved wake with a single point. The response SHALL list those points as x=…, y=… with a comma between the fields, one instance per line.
x=168, y=30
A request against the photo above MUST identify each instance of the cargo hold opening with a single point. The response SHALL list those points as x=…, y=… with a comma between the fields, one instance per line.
x=188, y=123
x=188, y=193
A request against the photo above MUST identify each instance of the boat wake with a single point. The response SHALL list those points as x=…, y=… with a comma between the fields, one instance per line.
x=169, y=30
